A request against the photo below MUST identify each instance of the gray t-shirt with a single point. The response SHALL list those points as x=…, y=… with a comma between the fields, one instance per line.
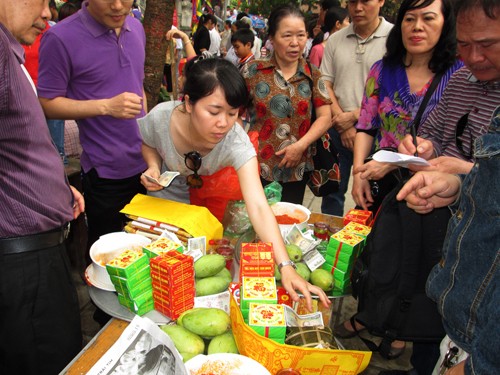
x=234, y=150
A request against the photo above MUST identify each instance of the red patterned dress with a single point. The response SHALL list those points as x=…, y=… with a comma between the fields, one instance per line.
x=281, y=113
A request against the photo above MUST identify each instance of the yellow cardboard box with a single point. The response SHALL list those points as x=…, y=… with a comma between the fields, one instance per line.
x=308, y=361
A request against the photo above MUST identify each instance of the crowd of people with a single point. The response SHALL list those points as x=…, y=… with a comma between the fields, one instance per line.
x=253, y=101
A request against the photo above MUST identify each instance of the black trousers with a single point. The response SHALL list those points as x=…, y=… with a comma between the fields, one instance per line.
x=104, y=198
x=40, y=330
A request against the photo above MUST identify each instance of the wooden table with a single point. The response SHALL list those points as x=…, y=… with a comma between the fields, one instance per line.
x=96, y=348
x=108, y=335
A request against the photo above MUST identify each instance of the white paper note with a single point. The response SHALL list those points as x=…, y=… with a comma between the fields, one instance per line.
x=396, y=158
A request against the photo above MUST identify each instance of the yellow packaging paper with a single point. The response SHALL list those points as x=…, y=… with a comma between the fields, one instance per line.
x=196, y=220
x=274, y=356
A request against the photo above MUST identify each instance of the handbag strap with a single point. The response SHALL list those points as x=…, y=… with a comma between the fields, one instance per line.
x=425, y=100
x=313, y=111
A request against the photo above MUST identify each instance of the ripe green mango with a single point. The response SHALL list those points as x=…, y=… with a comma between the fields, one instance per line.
x=179, y=319
x=294, y=252
x=323, y=279
x=207, y=322
x=225, y=274
x=184, y=340
x=209, y=265
x=224, y=343
x=187, y=356
x=210, y=285
x=303, y=271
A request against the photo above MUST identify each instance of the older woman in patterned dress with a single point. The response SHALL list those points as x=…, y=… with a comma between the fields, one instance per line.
x=286, y=92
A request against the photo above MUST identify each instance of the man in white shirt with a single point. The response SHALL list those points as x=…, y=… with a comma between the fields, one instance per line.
x=214, y=42
x=348, y=57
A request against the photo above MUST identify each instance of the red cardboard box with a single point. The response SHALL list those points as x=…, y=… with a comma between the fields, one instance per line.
x=172, y=275
x=359, y=216
x=256, y=260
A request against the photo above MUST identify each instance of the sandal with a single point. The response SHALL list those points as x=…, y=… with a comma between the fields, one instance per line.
x=342, y=332
x=393, y=352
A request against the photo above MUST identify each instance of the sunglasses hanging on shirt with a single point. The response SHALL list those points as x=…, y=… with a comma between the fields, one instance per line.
x=193, y=162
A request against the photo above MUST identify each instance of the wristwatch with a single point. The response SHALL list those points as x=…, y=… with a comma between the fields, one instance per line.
x=286, y=263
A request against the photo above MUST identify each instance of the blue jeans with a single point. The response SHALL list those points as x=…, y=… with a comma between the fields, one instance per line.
x=56, y=129
x=333, y=204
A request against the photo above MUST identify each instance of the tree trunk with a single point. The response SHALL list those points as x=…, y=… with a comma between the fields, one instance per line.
x=157, y=21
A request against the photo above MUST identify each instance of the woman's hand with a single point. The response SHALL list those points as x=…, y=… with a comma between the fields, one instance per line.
x=150, y=185
x=291, y=155
x=373, y=170
x=425, y=148
x=293, y=282
x=361, y=192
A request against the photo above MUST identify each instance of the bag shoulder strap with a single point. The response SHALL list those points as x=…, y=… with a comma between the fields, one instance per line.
x=434, y=84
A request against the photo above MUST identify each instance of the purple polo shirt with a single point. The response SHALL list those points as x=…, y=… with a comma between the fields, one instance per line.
x=34, y=193
x=81, y=59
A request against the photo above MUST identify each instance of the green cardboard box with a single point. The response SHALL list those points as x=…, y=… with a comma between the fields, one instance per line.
x=127, y=264
x=131, y=289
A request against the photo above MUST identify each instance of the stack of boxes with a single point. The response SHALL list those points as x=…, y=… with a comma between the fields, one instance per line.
x=258, y=293
x=257, y=290
x=358, y=216
x=161, y=246
x=268, y=321
x=342, y=250
x=130, y=274
x=172, y=275
x=256, y=260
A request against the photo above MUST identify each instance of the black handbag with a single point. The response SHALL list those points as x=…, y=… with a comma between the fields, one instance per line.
x=325, y=178
x=389, y=277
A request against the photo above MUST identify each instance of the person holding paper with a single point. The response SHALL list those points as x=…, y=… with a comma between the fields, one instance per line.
x=200, y=137
x=420, y=48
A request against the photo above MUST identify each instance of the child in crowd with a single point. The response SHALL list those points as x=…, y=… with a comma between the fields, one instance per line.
x=242, y=42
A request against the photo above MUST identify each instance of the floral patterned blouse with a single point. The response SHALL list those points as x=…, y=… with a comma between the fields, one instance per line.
x=388, y=106
x=281, y=113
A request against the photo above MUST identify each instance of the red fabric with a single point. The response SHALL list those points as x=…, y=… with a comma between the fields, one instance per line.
x=220, y=188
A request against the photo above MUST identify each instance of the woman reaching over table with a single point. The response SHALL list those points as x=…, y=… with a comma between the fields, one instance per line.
x=199, y=137
x=286, y=92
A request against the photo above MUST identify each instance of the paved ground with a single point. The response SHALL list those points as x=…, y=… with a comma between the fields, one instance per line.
x=90, y=327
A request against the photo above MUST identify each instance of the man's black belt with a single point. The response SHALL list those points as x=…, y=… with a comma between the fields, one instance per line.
x=39, y=241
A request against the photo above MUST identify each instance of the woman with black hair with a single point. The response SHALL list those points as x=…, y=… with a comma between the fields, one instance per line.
x=336, y=18
x=420, y=47
x=200, y=137
x=201, y=38
x=291, y=106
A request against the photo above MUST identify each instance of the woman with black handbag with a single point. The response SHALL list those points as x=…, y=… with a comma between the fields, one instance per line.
x=401, y=90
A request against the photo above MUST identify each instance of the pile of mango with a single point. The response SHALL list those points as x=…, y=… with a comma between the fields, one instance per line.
x=318, y=277
x=211, y=275
x=202, y=330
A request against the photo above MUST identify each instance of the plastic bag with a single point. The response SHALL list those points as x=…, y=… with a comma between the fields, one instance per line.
x=218, y=189
x=236, y=220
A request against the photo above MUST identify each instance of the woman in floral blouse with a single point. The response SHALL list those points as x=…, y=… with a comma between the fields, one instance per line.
x=421, y=45
x=286, y=90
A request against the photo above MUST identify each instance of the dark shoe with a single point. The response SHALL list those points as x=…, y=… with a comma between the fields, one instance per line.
x=396, y=353
x=342, y=332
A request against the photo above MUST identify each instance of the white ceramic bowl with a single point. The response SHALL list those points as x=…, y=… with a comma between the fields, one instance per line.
x=109, y=246
x=296, y=211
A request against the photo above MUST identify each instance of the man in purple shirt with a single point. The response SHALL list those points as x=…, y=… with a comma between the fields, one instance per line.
x=92, y=70
x=39, y=314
